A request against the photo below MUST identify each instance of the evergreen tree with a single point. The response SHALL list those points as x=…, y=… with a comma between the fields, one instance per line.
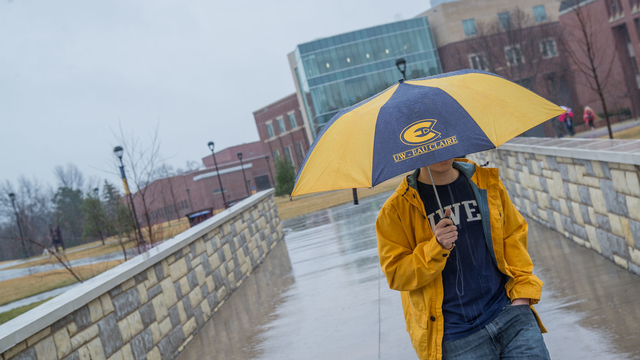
x=96, y=222
x=117, y=214
x=68, y=214
x=285, y=177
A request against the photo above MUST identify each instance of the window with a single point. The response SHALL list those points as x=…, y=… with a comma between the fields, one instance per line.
x=539, y=13
x=514, y=55
x=292, y=121
x=281, y=125
x=287, y=153
x=276, y=155
x=614, y=7
x=270, y=130
x=504, y=18
x=217, y=191
x=299, y=152
x=548, y=48
x=637, y=22
x=478, y=61
x=634, y=4
x=469, y=27
x=525, y=83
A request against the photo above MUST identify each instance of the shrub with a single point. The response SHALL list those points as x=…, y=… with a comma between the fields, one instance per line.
x=285, y=177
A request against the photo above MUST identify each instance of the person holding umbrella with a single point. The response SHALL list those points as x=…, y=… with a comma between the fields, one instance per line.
x=449, y=238
x=464, y=273
x=567, y=119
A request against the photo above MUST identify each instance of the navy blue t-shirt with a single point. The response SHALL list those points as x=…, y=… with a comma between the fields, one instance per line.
x=474, y=292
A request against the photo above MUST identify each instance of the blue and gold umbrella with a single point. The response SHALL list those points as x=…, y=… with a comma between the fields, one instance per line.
x=418, y=123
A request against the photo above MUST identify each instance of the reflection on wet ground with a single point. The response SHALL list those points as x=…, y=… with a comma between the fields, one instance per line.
x=322, y=296
x=590, y=306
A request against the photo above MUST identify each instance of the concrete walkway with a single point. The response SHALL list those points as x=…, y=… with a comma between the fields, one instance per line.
x=67, y=252
x=20, y=272
x=603, y=131
x=36, y=298
x=322, y=296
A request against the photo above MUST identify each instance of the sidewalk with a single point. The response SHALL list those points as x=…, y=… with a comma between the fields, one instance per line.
x=603, y=131
x=322, y=296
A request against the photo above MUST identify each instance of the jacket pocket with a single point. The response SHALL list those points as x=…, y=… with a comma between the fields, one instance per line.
x=418, y=317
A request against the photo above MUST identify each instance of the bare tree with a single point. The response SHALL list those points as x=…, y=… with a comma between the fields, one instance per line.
x=191, y=165
x=69, y=177
x=168, y=183
x=61, y=258
x=142, y=161
x=35, y=213
x=118, y=216
x=515, y=47
x=591, y=57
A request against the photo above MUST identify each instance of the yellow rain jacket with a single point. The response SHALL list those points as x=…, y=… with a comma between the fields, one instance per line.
x=412, y=259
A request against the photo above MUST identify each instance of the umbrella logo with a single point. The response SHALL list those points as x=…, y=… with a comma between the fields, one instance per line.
x=420, y=132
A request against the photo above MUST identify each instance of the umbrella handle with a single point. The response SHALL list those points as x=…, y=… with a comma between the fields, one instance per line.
x=435, y=191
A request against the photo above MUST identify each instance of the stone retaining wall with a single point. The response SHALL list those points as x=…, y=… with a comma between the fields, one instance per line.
x=151, y=306
x=587, y=190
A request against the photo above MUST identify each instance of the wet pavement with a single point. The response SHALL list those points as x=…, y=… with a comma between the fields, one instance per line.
x=321, y=295
x=604, y=131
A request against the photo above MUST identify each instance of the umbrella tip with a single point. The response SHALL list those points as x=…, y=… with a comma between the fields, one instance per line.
x=401, y=81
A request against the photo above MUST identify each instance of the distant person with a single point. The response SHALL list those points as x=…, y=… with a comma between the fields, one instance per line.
x=589, y=117
x=57, y=239
x=567, y=119
x=558, y=128
x=465, y=276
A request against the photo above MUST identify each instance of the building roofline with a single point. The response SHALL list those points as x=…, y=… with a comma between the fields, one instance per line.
x=276, y=103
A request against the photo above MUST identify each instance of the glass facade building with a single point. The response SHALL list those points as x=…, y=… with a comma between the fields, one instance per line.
x=342, y=70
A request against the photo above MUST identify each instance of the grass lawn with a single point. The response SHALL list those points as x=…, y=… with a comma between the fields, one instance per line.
x=306, y=204
x=632, y=133
x=96, y=251
x=8, y=315
x=164, y=231
x=23, y=287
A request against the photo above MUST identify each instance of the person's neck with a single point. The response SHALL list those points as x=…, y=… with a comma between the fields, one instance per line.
x=439, y=178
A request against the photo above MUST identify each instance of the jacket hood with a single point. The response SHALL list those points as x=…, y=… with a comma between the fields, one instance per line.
x=466, y=167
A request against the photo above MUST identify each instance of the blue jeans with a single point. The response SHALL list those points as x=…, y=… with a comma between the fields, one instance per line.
x=514, y=334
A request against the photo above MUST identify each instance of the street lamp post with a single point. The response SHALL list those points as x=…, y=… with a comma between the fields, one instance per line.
x=273, y=184
x=401, y=64
x=118, y=151
x=224, y=201
x=243, y=175
x=12, y=196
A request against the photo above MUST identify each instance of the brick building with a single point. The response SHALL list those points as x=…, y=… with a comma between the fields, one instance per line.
x=173, y=197
x=614, y=28
x=282, y=131
x=516, y=39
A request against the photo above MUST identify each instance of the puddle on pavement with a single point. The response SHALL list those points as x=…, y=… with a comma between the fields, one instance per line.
x=322, y=296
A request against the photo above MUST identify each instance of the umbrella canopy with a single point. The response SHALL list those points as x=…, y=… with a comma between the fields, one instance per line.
x=567, y=111
x=417, y=123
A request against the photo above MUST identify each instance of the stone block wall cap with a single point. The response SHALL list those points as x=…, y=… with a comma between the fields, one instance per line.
x=29, y=323
x=617, y=151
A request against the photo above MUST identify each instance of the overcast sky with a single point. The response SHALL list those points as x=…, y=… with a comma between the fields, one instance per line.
x=71, y=71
